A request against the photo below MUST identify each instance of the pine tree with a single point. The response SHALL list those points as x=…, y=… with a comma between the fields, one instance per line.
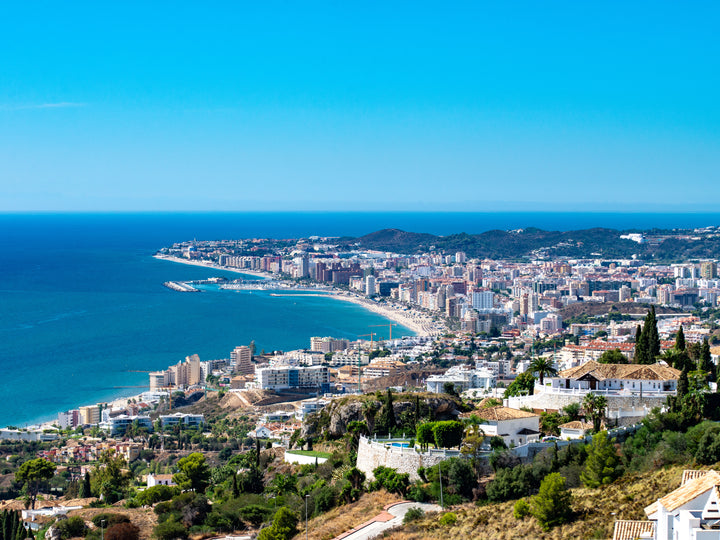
x=551, y=506
x=603, y=463
x=680, y=340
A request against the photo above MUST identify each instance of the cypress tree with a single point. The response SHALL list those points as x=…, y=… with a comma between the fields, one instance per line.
x=639, y=346
x=705, y=363
x=85, y=490
x=235, y=488
x=683, y=384
x=653, y=338
x=680, y=340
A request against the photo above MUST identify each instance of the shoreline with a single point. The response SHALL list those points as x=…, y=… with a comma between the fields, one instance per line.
x=418, y=323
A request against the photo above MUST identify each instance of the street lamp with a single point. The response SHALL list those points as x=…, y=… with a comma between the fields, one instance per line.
x=102, y=529
x=306, y=516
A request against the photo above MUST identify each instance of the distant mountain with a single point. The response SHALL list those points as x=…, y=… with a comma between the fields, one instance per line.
x=524, y=243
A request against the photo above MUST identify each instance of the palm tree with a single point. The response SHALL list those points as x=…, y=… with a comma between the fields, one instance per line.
x=595, y=406
x=543, y=366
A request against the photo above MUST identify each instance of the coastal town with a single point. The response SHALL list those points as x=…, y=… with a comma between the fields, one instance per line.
x=508, y=362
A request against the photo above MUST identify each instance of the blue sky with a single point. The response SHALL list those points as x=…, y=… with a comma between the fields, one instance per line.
x=368, y=106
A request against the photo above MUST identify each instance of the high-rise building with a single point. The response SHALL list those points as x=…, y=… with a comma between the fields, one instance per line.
x=89, y=414
x=708, y=270
x=241, y=360
x=370, y=286
x=483, y=300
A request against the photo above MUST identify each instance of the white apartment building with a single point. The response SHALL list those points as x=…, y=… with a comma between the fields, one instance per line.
x=463, y=378
x=118, y=425
x=187, y=420
x=483, y=300
x=284, y=377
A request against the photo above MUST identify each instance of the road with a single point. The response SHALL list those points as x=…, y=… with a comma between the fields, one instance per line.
x=392, y=517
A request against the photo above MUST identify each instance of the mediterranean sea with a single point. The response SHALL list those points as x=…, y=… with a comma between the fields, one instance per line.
x=82, y=303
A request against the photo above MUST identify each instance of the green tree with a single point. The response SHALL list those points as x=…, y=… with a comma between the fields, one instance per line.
x=543, y=366
x=680, y=340
x=112, y=478
x=284, y=526
x=683, y=384
x=85, y=490
x=551, y=506
x=595, y=406
x=603, y=463
x=639, y=346
x=649, y=342
x=194, y=473
x=705, y=363
x=386, y=419
x=448, y=433
x=34, y=474
x=424, y=434
x=613, y=356
x=523, y=385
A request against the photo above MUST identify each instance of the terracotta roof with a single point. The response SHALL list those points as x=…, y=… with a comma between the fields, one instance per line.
x=503, y=413
x=648, y=372
x=686, y=493
x=691, y=474
x=576, y=424
x=631, y=530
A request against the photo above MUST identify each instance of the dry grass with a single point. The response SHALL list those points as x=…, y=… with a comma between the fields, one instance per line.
x=596, y=511
x=343, y=518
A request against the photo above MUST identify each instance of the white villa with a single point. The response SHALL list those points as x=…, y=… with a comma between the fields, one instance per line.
x=462, y=378
x=516, y=427
x=614, y=378
x=691, y=512
x=574, y=430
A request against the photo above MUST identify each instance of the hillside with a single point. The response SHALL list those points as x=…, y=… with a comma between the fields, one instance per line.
x=521, y=243
x=595, y=509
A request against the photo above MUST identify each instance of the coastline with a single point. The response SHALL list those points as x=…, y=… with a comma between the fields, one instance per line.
x=205, y=264
x=419, y=323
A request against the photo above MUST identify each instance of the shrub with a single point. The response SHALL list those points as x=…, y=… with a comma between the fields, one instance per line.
x=110, y=519
x=123, y=531
x=448, y=519
x=170, y=530
x=412, y=514
x=521, y=509
x=418, y=493
x=71, y=527
x=284, y=526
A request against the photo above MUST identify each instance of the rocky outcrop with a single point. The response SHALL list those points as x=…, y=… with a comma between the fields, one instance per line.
x=332, y=422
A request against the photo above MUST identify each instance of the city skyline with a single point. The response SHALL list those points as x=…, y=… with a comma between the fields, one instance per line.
x=273, y=107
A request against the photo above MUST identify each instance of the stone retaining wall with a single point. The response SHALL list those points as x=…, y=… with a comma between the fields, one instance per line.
x=372, y=454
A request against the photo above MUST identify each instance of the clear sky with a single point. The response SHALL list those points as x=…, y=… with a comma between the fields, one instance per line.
x=354, y=106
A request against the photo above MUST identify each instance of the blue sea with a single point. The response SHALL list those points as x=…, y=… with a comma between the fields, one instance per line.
x=82, y=303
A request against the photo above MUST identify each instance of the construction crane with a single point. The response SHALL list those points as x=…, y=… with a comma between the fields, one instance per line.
x=371, y=334
x=389, y=328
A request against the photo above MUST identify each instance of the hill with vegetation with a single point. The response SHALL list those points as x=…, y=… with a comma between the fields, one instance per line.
x=529, y=242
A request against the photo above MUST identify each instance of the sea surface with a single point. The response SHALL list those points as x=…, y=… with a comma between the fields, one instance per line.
x=82, y=303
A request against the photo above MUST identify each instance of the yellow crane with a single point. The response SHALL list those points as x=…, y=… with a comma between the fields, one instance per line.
x=389, y=328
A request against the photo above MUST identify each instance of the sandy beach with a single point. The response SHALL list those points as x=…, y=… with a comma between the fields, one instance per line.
x=419, y=323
